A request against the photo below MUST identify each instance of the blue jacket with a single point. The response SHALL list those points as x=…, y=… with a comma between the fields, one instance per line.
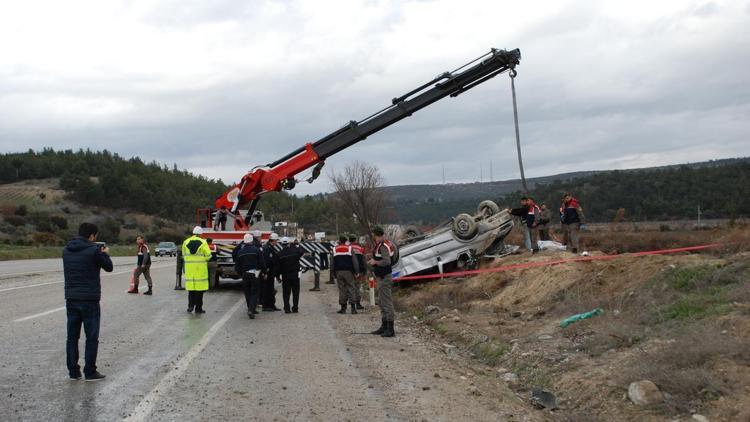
x=82, y=261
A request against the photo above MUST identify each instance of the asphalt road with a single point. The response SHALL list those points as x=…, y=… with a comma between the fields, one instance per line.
x=165, y=364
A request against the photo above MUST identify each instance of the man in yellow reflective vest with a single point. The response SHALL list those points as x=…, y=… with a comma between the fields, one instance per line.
x=196, y=254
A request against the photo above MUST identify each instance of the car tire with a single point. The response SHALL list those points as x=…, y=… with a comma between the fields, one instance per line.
x=487, y=208
x=464, y=226
x=410, y=232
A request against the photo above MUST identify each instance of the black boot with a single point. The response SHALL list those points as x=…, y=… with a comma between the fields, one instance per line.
x=342, y=310
x=380, y=330
x=359, y=306
x=354, y=309
x=388, y=332
x=148, y=292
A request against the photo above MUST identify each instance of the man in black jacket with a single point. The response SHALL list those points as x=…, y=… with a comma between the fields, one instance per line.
x=82, y=261
x=286, y=263
x=267, y=290
x=250, y=264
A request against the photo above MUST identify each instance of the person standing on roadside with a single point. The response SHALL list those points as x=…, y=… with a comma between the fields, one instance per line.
x=267, y=289
x=143, y=267
x=571, y=217
x=249, y=264
x=288, y=267
x=82, y=261
x=180, y=268
x=346, y=268
x=359, y=253
x=213, y=263
x=195, y=254
x=529, y=214
x=383, y=256
x=545, y=216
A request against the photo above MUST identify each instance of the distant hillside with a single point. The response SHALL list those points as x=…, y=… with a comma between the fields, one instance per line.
x=721, y=188
x=108, y=180
x=481, y=190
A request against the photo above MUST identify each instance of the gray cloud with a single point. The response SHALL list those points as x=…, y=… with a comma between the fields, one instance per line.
x=222, y=86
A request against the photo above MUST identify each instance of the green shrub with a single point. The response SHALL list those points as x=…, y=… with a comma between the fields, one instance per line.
x=15, y=220
x=59, y=221
x=22, y=210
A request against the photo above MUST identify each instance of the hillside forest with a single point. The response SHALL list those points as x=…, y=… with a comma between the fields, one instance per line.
x=107, y=180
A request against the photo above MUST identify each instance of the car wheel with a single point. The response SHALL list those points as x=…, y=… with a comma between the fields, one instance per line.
x=487, y=208
x=464, y=226
x=410, y=232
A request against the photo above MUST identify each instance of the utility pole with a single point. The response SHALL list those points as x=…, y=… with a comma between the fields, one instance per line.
x=481, y=172
x=491, y=170
x=443, y=173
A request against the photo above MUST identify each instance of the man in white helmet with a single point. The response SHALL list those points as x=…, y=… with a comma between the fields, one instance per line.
x=267, y=290
x=195, y=254
x=250, y=264
x=257, y=239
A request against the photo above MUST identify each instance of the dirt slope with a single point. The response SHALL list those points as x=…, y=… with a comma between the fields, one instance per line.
x=680, y=321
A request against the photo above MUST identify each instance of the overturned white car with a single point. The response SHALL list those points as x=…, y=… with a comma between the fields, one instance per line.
x=458, y=243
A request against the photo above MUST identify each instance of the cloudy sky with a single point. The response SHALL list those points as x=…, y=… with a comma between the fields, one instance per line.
x=220, y=86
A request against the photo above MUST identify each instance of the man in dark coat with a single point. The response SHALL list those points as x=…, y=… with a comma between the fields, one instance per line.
x=288, y=267
x=267, y=290
x=82, y=261
x=250, y=264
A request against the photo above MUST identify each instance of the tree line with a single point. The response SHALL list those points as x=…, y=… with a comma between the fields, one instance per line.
x=674, y=193
x=108, y=180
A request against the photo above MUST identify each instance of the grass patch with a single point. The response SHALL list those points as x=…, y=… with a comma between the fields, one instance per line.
x=533, y=373
x=687, y=278
x=697, y=306
x=490, y=353
x=441, y=329
x=10, y=252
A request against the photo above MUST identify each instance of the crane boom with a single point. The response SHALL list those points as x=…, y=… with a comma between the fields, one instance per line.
x=280, y=174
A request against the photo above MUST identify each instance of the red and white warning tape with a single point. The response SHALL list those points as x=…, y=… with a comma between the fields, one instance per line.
x=554, y=262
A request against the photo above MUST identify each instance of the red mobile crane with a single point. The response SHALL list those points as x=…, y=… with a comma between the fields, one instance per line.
x=280, y=174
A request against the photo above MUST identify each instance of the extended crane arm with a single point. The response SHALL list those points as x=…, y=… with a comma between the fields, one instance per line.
x=280, y=174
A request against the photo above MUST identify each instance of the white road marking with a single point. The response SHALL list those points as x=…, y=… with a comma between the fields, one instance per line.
x=38, y=315
x=30, y=285
x=58, y=282
x=146, y=406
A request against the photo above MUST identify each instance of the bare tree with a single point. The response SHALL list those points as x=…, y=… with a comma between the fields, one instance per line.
x=358, y=190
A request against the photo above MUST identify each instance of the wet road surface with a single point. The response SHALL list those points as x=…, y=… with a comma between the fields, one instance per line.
x=165, y=364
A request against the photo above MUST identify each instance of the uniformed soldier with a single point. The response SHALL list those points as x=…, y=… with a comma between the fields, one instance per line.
x=195, y=253
x=249, y=262
x=180, y=267
x=359, y=253
x=213, y=263
x=286, y=262
x=383, y=255
x=346, y=268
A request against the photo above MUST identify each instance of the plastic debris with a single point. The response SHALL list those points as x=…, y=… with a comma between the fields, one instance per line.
x=578, y=317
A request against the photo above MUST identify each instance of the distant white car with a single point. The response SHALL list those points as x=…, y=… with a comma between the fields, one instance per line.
x=458, y=243
x=166, y=248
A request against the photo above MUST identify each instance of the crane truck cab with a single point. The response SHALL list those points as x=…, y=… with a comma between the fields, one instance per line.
x=227, y=240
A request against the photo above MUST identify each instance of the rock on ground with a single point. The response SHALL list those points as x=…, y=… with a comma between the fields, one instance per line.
x=644, y=393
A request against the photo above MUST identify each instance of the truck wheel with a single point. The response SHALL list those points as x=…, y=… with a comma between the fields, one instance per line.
x=487, y=208
x=464, y=226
